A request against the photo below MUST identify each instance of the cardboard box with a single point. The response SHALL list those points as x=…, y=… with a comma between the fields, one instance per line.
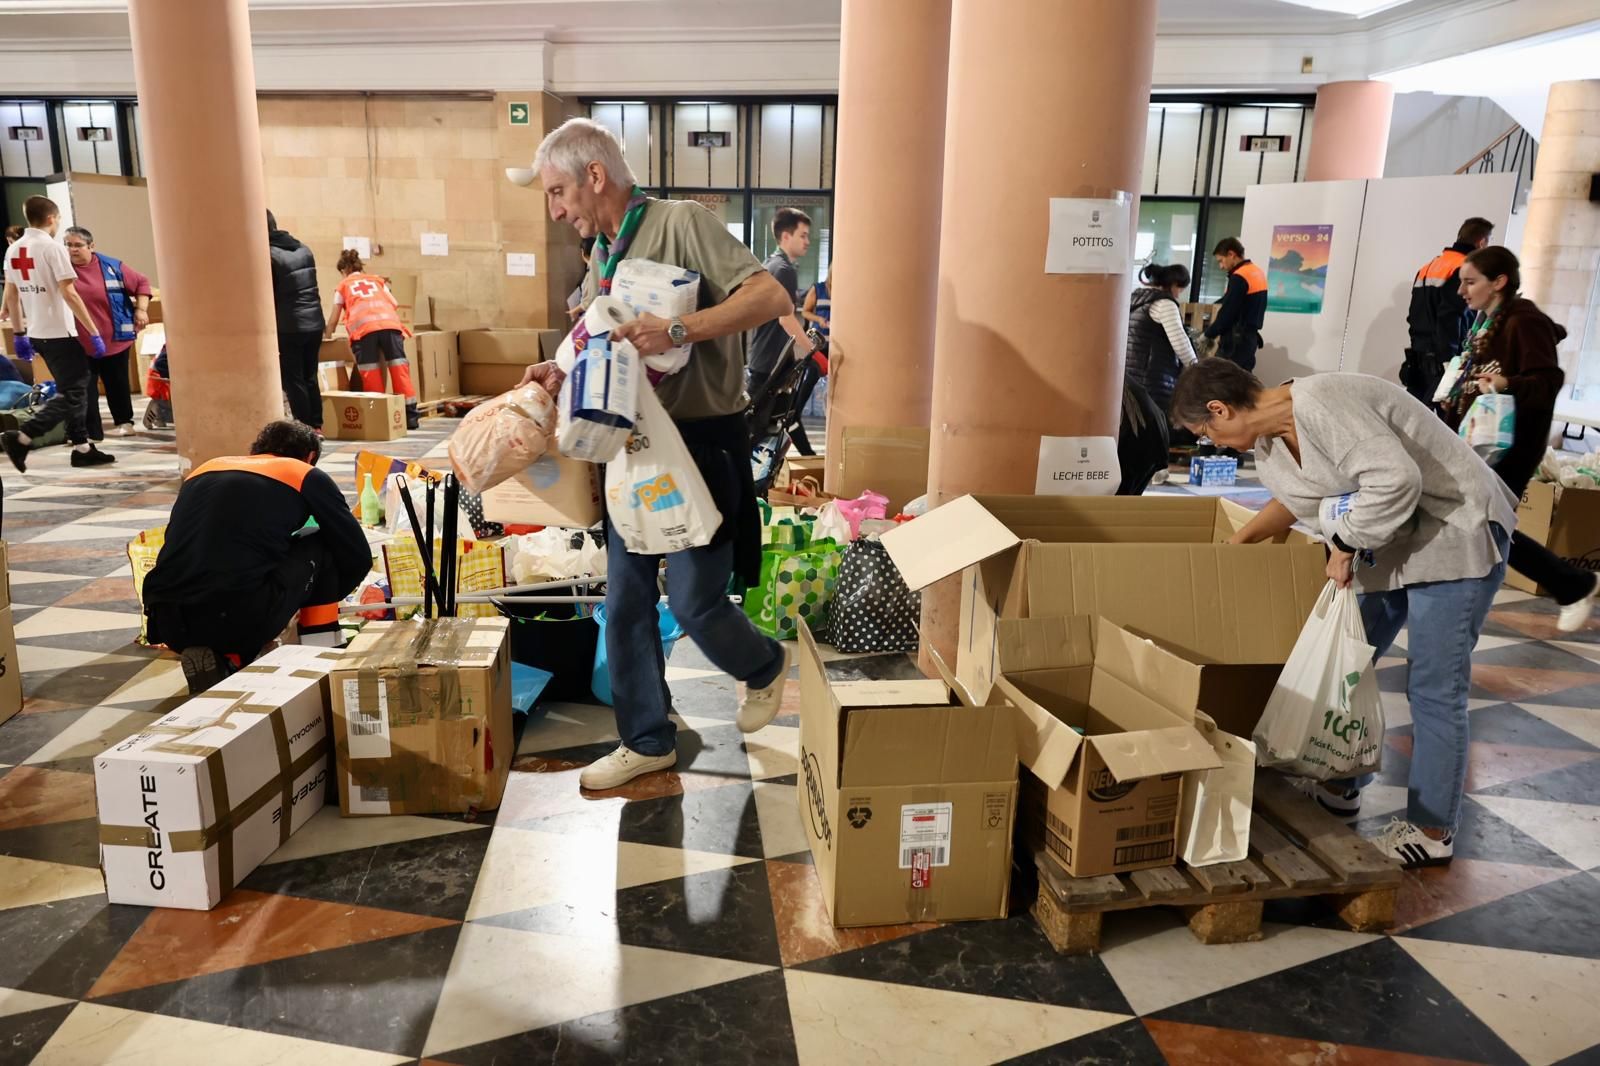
x=422, y=717
x=8, y=339
x=1107, y=725
x=492, y=360
x=155, y=308
x=363, y=415
x=796, y=467
x=1156, y=564
x=404, y=287
x=10, y=669
x=1571, y=529
x=336, y=350
x=909, y=798
x=435, y=364
x=197, y=800
x=333, y=377
x=890, y=460
x=555, y=491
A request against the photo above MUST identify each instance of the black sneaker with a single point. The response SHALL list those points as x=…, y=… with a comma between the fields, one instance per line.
x=202, y=668
x=16, y=451
x=93, y=457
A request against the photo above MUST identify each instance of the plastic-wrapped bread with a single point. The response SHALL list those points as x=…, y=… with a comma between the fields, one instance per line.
x=503, y=437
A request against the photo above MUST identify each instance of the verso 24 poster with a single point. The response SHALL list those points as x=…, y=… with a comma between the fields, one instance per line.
x=1297, y=271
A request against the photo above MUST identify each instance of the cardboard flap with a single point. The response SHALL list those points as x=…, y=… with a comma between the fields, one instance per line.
x=916, y=693
x=1045, y=643
x=1045, y=744
x=1148, y=752
x=1146, y=667
x=927, y=746
x=946, y=541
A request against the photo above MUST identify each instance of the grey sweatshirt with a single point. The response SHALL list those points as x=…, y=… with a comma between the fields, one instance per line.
x=1424, y=499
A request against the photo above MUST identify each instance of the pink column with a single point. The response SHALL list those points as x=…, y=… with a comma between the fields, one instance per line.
x=202, y=152
x=1350, y=137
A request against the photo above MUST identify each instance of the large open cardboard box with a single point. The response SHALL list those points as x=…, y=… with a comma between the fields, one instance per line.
x=1571, y=528
x=908, y=798
x=492, y=360
x=1158, y=565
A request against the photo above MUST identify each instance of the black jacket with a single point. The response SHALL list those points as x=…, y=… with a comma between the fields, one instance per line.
x=1151, y=362
x=1437, y=317
x=294, y=285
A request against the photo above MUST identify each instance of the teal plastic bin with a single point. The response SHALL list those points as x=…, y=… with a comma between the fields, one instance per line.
x=601, y=682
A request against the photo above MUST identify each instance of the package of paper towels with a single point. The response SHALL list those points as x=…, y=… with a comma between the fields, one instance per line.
x=669, y=292
x=599, y=401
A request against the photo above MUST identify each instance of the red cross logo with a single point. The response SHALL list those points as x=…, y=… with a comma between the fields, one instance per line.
x=364, y=288
x=23, y=264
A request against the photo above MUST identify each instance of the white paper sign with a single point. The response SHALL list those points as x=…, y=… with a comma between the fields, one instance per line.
x=520, y=264
x=1089, y=236
x=362, y=245
x=1078, y=466
x=435, y=244
x=152, y=340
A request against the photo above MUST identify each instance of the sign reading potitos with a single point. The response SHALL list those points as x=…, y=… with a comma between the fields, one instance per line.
x=1089, y=236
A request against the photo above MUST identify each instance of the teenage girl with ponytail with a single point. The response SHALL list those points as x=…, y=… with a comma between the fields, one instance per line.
x=1512, y=349
x=1158, y=347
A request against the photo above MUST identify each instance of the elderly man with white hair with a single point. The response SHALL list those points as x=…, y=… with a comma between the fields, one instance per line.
x=588, y=184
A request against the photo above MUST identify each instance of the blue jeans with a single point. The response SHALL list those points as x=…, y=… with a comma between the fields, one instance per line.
x=697, y=592
x=1446, y=618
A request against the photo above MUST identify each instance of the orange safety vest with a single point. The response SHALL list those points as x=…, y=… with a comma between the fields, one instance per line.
x=1439, y=268
x=369, y=306
x=1254, y=277
x=291, y=472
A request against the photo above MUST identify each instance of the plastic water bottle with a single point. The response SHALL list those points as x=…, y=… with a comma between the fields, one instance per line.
x=371, y=505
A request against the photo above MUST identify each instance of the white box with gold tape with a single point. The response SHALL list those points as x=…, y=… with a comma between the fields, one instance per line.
x=192, y=804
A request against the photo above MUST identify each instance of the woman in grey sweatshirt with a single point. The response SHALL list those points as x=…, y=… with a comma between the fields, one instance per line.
x=1424, y=538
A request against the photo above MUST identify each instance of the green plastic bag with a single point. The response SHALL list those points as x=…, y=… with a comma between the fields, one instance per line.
x=794, y=584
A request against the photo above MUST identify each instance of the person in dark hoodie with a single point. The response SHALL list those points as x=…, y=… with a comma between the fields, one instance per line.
x=1437, y=318
x=1511, y=349
x=300, y=322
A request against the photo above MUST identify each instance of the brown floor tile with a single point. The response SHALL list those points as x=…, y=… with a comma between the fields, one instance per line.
x=1542, y=626
x=1489, y=765
x=1427, y=895
x=101, y=590
x=44, y=553
x=1201, y=1045
x=40, y=705
x=805, y=932
x=246, y=929
x=1520, y=684
x=31, y=796
x=151, y=499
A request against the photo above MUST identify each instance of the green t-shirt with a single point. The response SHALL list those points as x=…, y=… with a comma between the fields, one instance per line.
x=684, y=234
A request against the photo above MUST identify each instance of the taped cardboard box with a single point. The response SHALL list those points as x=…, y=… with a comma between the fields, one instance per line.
x=422, y=717
x=1570, y=528
x=192, y=804
x=554, y=491
x=493, y=360
x=887, y=459
x=1107, y=726
x=1156, y=564
x=363, y=415
x=909, y=798
x=10, y=669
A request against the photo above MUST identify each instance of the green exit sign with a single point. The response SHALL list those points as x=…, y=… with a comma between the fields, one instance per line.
x=519, y=114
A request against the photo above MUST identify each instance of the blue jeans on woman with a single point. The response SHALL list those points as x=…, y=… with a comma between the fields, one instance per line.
x=697, y=593
x=1448, y=616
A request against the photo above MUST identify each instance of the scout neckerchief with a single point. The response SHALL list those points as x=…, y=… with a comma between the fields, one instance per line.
x=611, y=252
x=1463, y=392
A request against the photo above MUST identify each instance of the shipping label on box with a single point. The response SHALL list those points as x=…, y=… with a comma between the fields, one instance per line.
x=193, y=803
x=422, y=717
x=554, y=491
x=363, y=415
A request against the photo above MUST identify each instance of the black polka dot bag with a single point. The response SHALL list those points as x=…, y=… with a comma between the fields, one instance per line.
x=873, y=610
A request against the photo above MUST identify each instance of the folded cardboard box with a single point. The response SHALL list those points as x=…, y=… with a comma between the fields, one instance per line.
x=1570, y=528
x=194, y=802
x=1156, y=564
x=892, y=460
x=493, y=360
x=435, y=364
x=10, y=669
x=363, y=415
x=554, y=491
x=908, y=799
x=422, y=717
x=333, y=377
x=1107, y=726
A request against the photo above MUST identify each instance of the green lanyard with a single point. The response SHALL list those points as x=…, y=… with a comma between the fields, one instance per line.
x=612, y=252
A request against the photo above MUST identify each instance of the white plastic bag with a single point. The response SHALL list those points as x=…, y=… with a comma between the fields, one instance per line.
x=1324, y=719
x=503, y=437
x=602, y=387
x=1215, y=824
x=1490, y=424
x=655, y=495
x=659, y=289
x=556, y=554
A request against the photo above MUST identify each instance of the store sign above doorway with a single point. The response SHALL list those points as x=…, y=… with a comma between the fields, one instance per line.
x=1089, y=236
x=518, y=113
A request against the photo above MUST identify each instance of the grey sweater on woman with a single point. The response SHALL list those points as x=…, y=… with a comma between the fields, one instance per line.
x=1424, y=499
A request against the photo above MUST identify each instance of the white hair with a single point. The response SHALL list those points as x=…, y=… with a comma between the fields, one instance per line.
x=577, y=142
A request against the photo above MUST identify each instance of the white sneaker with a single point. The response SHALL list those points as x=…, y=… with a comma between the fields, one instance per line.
x=122, y=429
x=1410, y=846
x=622, y=766
x=1574, y=616
x=1340, y=804
x=761, y=705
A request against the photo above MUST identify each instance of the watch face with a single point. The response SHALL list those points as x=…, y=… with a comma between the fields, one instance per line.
x=678, y=332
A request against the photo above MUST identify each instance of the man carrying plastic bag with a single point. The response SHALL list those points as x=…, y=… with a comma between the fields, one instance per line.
x=588, y=184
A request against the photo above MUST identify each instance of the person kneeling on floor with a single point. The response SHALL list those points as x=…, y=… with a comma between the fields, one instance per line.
x=253, y=540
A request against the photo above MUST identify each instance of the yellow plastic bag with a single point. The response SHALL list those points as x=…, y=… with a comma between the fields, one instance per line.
x=480, y=567
x=142, y=553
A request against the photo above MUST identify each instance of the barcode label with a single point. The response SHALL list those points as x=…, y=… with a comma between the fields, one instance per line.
x=1059, y=848
x=925, y=827
x=366, y=727
x=1143, y=853
x=1058, y=826
x=1144, y=832
x=373, y=794
x=365, y=799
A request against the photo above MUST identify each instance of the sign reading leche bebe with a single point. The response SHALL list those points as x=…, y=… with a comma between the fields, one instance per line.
x=1089, y=236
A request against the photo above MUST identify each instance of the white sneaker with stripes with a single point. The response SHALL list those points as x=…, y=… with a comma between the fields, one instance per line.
x=1410, y=846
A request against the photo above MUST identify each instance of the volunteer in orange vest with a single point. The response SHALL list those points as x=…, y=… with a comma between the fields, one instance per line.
x=372, y=318
x=252, y=541
x=1244, y=305
x=1437, y=318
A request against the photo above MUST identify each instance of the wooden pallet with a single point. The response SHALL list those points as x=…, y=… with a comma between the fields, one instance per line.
x=1296, y=849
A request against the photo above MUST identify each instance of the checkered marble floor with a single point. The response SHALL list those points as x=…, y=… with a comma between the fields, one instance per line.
x=679, y=919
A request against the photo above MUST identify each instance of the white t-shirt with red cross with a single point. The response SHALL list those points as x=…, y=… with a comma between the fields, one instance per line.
x=37, y=265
